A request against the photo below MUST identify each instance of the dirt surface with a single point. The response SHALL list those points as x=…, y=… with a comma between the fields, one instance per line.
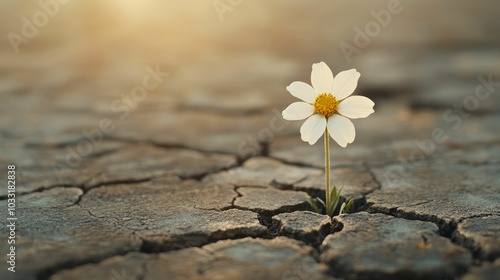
x=148, y=141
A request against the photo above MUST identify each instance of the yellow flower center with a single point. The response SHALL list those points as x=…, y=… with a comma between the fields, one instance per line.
x=325, y=104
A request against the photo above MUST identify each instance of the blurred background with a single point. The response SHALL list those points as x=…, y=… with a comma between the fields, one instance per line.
x=64, y=64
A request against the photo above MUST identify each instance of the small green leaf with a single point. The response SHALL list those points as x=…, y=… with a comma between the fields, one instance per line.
x=340, y=190
x=349, y=204
x=321, y=201
x=313, y=205
x=333, y=204
x=342, y=208
x=333, y=193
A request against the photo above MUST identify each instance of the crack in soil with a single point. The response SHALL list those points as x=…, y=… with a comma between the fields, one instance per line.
x=43, y=189
x=374, y=178
x=164, y=243
x=446, y=229
x=471, y=244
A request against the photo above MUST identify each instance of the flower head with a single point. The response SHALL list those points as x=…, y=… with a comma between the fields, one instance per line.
x=328, y=104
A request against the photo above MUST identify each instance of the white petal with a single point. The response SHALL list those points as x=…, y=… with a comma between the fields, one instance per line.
x=355, y=107
x=321, y=78
x=298, y=111
x=313, y=128
x=341, y=130
x=345, y=83
x=302, y=91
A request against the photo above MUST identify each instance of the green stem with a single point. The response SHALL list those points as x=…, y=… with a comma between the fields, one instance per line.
x=327, y=171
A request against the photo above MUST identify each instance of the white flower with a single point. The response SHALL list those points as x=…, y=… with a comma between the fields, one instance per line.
x=328, y=105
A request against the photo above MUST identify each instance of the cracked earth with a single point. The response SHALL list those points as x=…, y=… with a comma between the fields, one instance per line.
x=199, y=181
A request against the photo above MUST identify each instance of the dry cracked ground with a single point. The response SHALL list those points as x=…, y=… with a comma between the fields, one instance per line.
x=171, y=205
x=203, y=179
